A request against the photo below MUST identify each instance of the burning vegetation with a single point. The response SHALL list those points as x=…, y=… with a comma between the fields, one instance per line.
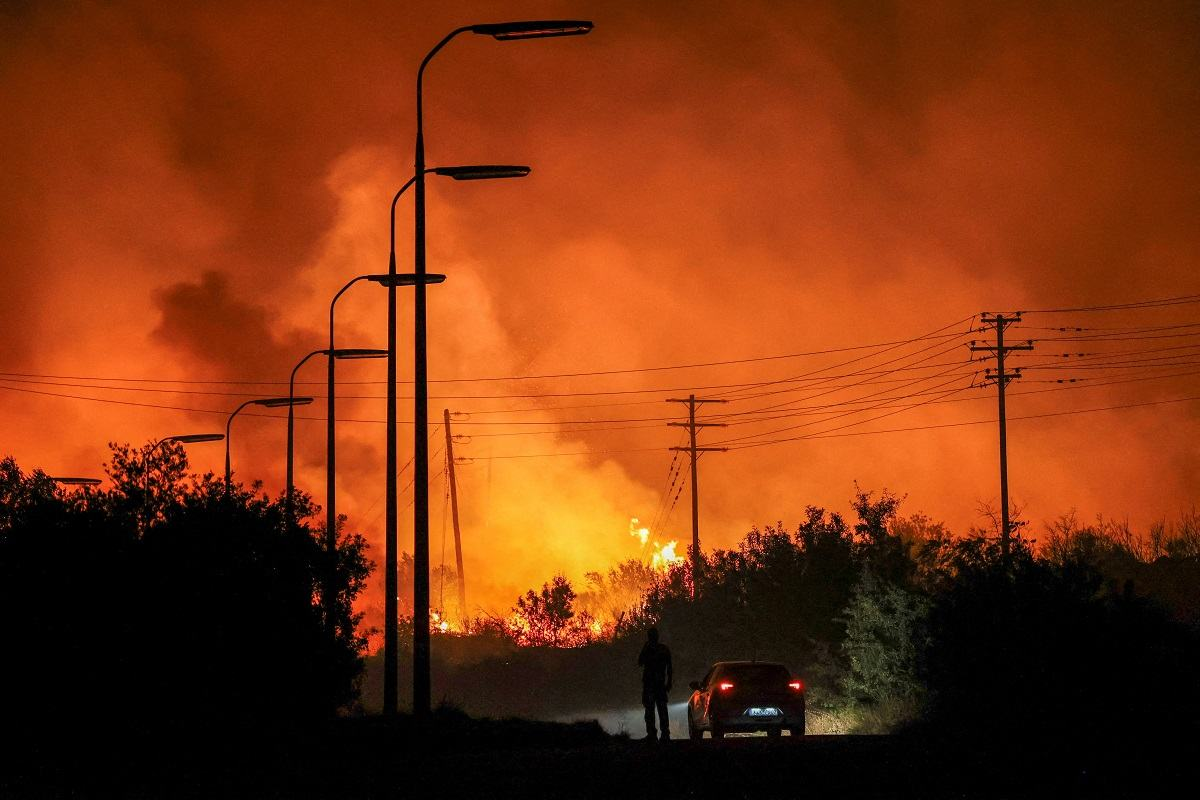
x=662, y=556
x=559, y=616
x=885, y=617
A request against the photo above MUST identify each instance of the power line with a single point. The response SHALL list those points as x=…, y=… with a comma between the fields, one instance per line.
x=1116, y=338
x=935, y=334
x=968, y=423
x=801, y=410
x=665, y=492
x=399, y=472
x=1101, y=333
x=1138, y=304
x=670, y=511
x=831, y=408
x=855, y=411
x=872, y=377
x=499, y=378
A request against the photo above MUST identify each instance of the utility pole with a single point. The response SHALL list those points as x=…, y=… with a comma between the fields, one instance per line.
x=998, y=322
x=458, y=564
x=692, y=401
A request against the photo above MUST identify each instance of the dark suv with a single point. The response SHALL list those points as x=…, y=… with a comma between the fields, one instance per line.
x=745, y=696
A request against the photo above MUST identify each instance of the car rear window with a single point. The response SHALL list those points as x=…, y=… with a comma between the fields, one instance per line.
x=757, y=674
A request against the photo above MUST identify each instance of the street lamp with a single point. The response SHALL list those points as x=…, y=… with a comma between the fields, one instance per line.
x=391, y=281
x=183, y=438
x=266, y=402
x=391, y=518
x=503, y=31
x=190, y=438
x=86, y=483
x=77, y=481
x=530, y=29
x=346, y=353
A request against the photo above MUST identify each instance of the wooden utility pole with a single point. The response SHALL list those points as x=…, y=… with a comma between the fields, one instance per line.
x=692, y=401
x=998, y=322
x=458, y=561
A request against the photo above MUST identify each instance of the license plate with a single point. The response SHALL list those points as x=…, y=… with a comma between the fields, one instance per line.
x=763, y=712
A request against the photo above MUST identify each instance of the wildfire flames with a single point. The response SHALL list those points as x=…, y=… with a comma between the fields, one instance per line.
x=662, y=556
x=597, y=614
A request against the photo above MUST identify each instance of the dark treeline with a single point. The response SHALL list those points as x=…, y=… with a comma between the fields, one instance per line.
x=892, y=621
x=165, y=606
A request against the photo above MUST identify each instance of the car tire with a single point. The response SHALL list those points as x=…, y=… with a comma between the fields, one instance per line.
x=774, y=733
x=717, y=733
x=798, y=730
x=694, y=733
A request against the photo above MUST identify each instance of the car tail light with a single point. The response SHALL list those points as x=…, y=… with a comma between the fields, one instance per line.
x=796, y=685
x=725, y=686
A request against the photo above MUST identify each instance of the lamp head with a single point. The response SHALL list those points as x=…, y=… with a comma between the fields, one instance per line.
x=193, y=438
x=405, y=279
x=533, y=29
x=283, y=402
x=358, y=352
x=479, y=172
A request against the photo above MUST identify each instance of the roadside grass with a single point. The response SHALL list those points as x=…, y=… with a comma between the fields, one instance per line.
x=850, y=718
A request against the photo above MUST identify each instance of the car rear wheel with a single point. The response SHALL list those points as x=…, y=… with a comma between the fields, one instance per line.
x=694, y=733
x=774, y=733
x=717, y=733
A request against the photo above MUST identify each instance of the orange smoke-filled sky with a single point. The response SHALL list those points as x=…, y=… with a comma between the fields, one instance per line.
x=186, y=185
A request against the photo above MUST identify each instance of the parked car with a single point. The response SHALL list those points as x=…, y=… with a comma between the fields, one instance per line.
x=746, y=696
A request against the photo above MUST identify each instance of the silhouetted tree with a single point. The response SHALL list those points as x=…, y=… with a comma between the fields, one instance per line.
x=168, y=602
x=547, y=618
x=1035, y=647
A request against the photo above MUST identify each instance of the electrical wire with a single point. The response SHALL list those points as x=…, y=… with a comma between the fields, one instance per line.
x=1138, y=304
x=968, y=423
x=498, y=378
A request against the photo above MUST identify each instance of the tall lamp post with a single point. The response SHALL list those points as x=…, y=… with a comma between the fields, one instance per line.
x=391, y=281
x=391, y=548
x=266, y=402
x=502, y=31
x=346, y=353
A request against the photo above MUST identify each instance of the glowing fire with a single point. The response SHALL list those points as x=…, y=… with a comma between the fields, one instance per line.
x=641, y=533
x=662, y=556
x=437, y=624
x=665, y=556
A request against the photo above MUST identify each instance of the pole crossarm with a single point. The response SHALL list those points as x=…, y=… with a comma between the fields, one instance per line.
x=1008, y=348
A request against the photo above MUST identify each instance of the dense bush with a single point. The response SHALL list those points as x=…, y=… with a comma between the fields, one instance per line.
x=1043, y=647
x=886, y=634
x=165, y=602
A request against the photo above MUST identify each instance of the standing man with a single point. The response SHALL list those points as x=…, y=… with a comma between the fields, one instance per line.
x=657, y=673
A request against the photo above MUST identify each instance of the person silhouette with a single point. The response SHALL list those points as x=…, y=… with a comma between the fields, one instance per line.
x=657, y=673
